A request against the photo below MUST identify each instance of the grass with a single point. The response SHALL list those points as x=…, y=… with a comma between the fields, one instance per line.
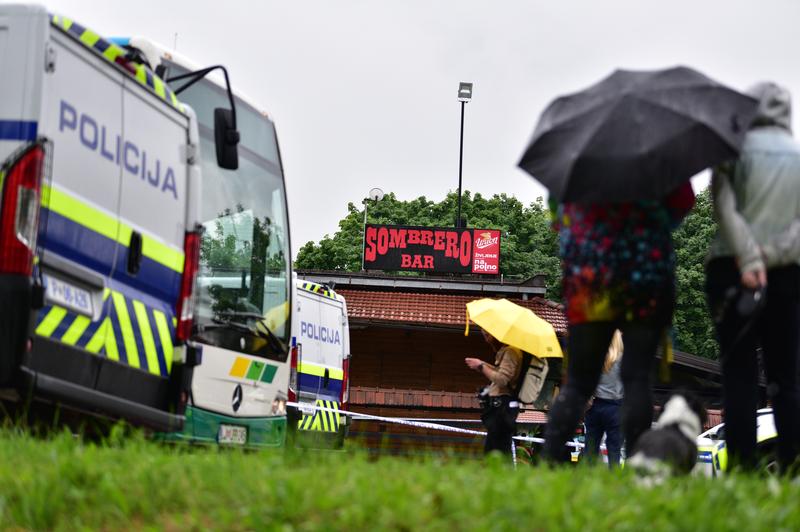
x=128, y=483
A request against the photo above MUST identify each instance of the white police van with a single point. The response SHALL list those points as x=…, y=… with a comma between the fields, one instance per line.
x=99, y=241
x=320, y=366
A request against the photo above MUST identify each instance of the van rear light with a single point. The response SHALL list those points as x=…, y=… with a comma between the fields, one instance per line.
x=344, y=395
x=185, y=307
x=19, y=211
x=293, y=364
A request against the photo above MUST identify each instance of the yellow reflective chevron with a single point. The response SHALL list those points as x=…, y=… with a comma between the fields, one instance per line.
x=111, y=53
x=321, y=421
x=165, y=337
x=51, y=321
x=107, y=225
x=128, y=340
x=319, y=289
x=76, y=330
x=146, y=334
x=118, y=330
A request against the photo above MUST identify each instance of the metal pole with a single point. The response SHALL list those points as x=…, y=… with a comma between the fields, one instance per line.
x=364, y=244
x=460, y=161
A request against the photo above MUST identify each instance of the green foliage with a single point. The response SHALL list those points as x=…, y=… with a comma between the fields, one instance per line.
x=66, y=484
x=528, y=246
x=694, y=330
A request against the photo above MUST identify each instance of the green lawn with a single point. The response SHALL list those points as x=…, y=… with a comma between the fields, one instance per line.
x=65, y=483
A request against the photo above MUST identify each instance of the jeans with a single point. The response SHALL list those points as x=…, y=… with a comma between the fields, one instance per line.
x=587, y=346
x=775, y=330
x=604, y=417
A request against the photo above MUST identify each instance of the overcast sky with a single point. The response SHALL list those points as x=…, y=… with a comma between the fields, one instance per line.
x=363, y=92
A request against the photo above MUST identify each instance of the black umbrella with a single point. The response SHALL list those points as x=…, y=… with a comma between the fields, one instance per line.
x=636, y=135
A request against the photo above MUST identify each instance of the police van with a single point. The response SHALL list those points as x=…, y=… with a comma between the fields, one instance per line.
x=320, y=366
x=241, y=327
x=99, y=242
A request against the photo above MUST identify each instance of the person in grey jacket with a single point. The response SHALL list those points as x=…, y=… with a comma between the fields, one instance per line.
x=603, y=415
x=753, y=279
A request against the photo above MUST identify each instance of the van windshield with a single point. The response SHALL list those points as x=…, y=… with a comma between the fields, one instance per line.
x=243, y=283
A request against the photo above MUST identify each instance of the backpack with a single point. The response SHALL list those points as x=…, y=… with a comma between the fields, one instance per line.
x=531, y=378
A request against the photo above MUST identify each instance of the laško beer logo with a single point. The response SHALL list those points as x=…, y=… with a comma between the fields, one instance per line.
x=432, y=249
x=485, y=240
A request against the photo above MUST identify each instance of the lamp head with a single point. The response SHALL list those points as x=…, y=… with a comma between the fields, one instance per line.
x=375, y=194
x=464, y=91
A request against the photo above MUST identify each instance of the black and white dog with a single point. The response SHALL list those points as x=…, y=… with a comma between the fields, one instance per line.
x=669, y=447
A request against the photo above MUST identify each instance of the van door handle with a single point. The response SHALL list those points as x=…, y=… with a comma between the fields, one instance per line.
x=326, y=378
x=135, y=253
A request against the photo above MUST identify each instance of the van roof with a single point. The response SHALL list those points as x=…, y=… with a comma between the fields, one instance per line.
x=319, y=289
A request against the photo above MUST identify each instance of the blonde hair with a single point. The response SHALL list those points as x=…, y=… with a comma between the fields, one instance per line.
x=615, y=350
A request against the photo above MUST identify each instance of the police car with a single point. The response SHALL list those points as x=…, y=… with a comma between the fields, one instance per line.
x=712, y=459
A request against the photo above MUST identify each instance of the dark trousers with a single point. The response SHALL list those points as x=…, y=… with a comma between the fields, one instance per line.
x=500, y=421
x=587, y=346
x=775, y=330
x=604, y=418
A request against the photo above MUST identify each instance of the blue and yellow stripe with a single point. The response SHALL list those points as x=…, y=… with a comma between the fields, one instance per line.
x=128, y=331
x=113, y=53
x=320, y=420
x=319, y=289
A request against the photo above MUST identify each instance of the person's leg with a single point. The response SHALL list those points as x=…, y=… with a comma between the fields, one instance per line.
x=594, y=432
x=613, y=435
x=779, y=338
x=587, y=347
x=737, y=339
x=641, y=341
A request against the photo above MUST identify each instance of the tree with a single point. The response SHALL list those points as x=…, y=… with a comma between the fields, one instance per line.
x=528, y=245
x=694, y=330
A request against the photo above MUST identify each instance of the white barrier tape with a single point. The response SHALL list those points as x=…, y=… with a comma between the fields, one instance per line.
x=303, y=407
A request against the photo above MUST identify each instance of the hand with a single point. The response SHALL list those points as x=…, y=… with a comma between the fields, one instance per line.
x=754, y=279
x=474, y=363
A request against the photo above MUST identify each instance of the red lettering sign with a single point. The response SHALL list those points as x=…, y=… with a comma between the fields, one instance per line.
x=435, y=249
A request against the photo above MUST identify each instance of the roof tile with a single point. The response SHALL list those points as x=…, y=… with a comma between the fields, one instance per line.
x=434, y=309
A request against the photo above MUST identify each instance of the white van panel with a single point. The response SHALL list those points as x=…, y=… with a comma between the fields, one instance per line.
x=83, y=118
x=23, y=34
x=215, y=380
x=154, y=176
x=319, y=329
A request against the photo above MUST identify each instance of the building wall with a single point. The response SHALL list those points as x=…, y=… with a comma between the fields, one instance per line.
x=385, y=357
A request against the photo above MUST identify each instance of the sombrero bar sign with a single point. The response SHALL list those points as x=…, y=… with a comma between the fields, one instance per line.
x=432, y=249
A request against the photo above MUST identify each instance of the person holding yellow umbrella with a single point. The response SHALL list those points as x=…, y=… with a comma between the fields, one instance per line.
x=509, y=329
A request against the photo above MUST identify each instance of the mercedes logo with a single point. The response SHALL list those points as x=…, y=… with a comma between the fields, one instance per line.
x=237, y=398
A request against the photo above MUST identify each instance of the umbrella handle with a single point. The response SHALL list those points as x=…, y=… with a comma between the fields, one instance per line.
x=466, y=330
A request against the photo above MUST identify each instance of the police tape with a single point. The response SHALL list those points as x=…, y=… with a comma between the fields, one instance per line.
x=306, y=407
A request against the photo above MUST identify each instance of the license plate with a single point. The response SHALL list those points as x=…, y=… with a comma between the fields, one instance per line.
x=68, y=296
x=308, y=410
x=232, y=434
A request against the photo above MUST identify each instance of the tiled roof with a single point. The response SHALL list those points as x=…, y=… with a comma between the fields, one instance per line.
x=433, y=309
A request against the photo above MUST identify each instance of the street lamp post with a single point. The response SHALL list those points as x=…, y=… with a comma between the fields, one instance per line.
x=464, y=95
x=376, y=195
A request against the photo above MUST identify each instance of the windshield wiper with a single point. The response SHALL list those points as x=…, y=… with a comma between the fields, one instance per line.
x=260, y=329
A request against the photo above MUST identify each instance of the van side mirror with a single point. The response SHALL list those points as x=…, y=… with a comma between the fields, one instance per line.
x=226, y=139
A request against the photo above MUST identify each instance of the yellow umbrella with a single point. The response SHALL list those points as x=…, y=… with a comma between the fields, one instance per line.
x=514, y=325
